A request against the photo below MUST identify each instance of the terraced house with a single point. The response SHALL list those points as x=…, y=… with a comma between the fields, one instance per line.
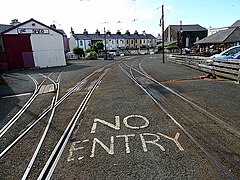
x=113, y=42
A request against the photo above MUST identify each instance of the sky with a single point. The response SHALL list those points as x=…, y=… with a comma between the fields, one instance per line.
x=113, y=15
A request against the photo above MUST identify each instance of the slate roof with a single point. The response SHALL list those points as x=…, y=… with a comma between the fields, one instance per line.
x=112, y=36
x=61, y=31
x=4, y=27
x=193, y=27
x=224, y=36
x=236, y=24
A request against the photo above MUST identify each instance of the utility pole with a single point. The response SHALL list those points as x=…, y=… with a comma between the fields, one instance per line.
x=163, y=33
x=105, y=39
x=181, y=37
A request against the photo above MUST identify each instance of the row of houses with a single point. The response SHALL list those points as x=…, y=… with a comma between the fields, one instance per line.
x=34, y=44
x=112, y=42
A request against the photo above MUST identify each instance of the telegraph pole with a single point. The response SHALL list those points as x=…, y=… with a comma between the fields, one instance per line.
x=181, y=37
x=163, y=33
x=105, y=43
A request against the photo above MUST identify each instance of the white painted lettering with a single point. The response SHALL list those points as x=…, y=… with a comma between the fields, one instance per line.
x=144, y=142
x=126, y=141
x=110, y=150
x=175, y=140
x=125, y=121
x=116, y=126
x=73, y=148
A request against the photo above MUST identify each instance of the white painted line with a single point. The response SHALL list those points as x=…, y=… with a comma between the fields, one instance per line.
x=16, y=95
x=42, y=89
x=51, y=88
x=46, y=90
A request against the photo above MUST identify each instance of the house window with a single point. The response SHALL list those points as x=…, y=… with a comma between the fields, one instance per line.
x=140, y=41
x=1, y=44
x=187, y=42
x=131, y=41
x=117, y=41
x=81, y=43
x=127, y=41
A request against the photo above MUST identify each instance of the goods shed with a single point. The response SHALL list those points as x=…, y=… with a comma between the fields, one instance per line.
x=31, y=44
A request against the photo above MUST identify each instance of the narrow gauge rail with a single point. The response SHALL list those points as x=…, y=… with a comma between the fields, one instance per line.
x=51, y=164
x=20, y=123
x=138, y=77
x=11, y=122
x=94, y=79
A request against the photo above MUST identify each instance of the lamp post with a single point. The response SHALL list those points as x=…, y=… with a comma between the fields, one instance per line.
x=105, y=43
x=163, y=32
x=181, y=32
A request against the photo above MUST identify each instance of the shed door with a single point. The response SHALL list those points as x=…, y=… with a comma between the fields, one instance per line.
x=19, y=51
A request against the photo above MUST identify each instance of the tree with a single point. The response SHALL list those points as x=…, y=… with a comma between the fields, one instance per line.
x=98, y=46
x=78, y=51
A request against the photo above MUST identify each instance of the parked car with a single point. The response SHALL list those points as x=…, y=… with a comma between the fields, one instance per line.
x=220, y=60
x=71, y=55
x=228, y=53
x=236, y=56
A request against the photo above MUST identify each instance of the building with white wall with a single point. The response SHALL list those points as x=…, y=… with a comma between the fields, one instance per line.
x=31, y=44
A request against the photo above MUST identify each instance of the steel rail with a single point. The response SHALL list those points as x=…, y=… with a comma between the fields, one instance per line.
x=43, y=114
x=226, y=126
x=48, y=109
x=11, y=122
x=28, y=169
x=51, y=164
x=4, y=129
x=215, y=161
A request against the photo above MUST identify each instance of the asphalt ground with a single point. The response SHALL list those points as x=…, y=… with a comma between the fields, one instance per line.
x=142, y=146
x=89, y=154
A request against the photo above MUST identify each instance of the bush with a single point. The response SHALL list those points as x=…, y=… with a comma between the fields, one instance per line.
x=215, y=52
x=89, y=50
x=78, y=51
x=172, y=47
x=91, y=55
x=160, y=48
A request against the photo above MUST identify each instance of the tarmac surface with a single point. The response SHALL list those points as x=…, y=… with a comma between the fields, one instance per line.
x=123, y=134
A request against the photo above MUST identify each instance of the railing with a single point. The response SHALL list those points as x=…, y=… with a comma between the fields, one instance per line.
x=227, y=68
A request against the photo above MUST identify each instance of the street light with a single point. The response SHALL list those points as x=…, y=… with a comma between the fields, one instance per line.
x=105, y=43
x=181, y=32
x=162, y=24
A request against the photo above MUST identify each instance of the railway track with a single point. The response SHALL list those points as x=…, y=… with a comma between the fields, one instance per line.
x=170, y=102
x=39, y=146
x=44, y=126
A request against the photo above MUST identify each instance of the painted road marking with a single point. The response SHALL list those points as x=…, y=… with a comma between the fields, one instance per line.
x=16, y=95
x=116, y=126
x=110, y=149
x=147, y=139
x=47, y=89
